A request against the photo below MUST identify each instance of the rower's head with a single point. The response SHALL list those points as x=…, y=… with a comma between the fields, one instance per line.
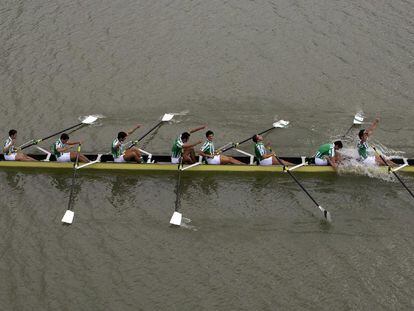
x=13, y=134
x=338, y=145
x=363, y=135
x=210, y=135
x=64, y=138
x=122, y=136
x=185, y=137
x=256, y=138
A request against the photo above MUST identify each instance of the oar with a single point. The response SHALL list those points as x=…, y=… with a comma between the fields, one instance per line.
x=166, y=117
x=177, y=216
x=395, y=174
x=68, y=217
x=279, y=124
x=325, y=213
x=358, y=119
x=87, y=121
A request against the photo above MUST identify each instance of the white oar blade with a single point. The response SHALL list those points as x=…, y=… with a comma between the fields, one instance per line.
x=68, y=217
x=358, y=118
x=176, y=219
x=326, y=214
x=167, y=117
x=89, y=120
x=281, y=124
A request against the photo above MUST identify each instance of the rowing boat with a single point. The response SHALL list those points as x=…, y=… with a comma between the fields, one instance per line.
x=162, y=163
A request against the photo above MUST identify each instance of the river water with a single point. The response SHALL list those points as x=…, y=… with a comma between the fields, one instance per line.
x=255, y=242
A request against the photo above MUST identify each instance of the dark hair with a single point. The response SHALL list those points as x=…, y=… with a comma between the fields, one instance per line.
x=338, y=143
x=208, y=133
x=12, y=132
x=361, y=133
x=185, y=135
x=254, y=138
x=64, y=136
x=122, y=135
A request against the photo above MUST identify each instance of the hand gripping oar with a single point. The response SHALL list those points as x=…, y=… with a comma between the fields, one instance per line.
x=166, y=117
x=280, y=124
x=68, y=217
x=325, y=213
x=87, y=121
x=395, y=174
x=177, y=216
x=358, y=119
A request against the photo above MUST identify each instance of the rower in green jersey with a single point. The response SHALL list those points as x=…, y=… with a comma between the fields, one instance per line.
x=119, y=150
x=363, y=148
x=182, y=148
x=61, y=150
x=209, y=153
x=264, y=154
x=10, y=151
x=327, y=154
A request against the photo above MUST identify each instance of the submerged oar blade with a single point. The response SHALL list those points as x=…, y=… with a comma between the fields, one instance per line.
x=89, y=119
x=167, y=117
x=326, y=214
x=176, y=219
x=281, y=124
x=68, y=217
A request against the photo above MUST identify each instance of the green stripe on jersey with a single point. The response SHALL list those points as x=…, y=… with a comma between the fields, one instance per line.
x=9, y=143
x=177, y=148
x=117, y=152
x=325, y=150
x=57, y=144
x=363, y=149
x=208, y=147
x=259, y=150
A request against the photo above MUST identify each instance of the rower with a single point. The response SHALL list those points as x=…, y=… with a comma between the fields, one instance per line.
x=327, y=154
x=10, y=152
x=182, y=148
x=208, y=152
x=363, y=147
x=60, y=150
x=123, y=154
x=262, y=154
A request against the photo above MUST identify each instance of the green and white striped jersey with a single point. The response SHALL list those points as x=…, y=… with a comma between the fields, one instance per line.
x=117, y=152
x=177, y=148
x=208, y=147
x=259, y=150
x=325, y=150
x=9, y=144
x=363, y=149
x=55, y=146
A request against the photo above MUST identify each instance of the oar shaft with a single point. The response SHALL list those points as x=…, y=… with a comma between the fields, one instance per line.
x=395, y=174
x=74, y=176
x=247, y=139
x=146, y=134
x=50, y=136
x=302, y=187
x=177, y=190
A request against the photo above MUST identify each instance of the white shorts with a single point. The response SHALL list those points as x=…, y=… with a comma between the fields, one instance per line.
x=10, y=157
x=175, y=160
x=119, y=159
x=65, y=157
x=267, y=161
x=319, y=161
x=214, y=161
x=370, y=161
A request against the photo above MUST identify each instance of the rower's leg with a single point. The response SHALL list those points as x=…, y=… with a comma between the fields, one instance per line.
x=226, y=160
x=82, y=158
x=133, y=154
x=24, y=157
x=276, y=162
x=189, y=156
x=379, y=161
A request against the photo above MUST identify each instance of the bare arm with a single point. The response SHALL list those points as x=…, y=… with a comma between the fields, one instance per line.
x=189, y=145
x=198, y=128
x=205, y=154
x=372, y=127
x=133, y=129
x=7, y=148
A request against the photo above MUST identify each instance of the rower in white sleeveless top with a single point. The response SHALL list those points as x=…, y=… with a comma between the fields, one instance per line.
x=61, y=149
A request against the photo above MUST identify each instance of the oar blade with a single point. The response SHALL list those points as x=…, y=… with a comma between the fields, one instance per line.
x=68, y=217
x=89, y=119
x=167, y=117
x=326, y=214
x=359, y=118
x=281, y=124
x=176, y=219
